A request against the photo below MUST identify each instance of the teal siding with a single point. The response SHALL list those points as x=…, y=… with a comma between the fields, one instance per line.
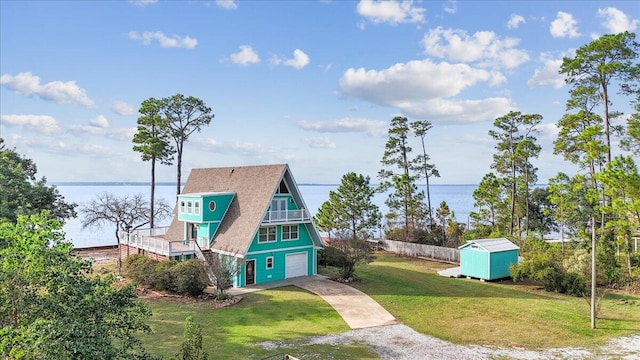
x=278, y=250
x=474, y=263
x=303, y=240
x=500, y=262
x=222, y=202
x=186, y=216
x=264, y=275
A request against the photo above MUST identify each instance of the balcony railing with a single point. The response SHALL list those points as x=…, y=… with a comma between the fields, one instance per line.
x=284, y=216
x=152, y=240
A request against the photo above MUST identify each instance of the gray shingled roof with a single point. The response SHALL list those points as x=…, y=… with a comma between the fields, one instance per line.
x=493, y=245
x=254, y=187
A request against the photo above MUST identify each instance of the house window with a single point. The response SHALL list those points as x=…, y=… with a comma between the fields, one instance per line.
x=269, y=262
x=212, y=205
x=267, y=234
x=182, y=206
x=290, y=232
x=189, y=205
x=196, y=207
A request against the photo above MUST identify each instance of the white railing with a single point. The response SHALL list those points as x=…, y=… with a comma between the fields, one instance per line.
x=151, y=240
x=286, y=216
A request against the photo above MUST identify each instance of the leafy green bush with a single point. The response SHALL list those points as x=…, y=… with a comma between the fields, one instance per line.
x=543, y=267
x=140, y=268
x=189, y=277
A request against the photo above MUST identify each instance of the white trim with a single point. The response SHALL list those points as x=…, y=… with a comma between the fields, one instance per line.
x=279, y=250
x=282, y=232
x=273, y=263
x=267, y=228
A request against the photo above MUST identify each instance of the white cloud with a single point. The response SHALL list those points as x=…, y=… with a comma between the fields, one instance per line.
x=60, y=92
x=459, y=111
x=514, y=21
x=320, y=143
x=483, y=47
x=564, y=26
x=345, y=125
x=41, y=123
x=392, y=12
x=143, y=3
x=174, y=41
x=261, y=153
x=298, y=61
x=616, y=21
x=450, y=7
x=414, y=81
x=245, y=56
x=227, y=4
x=122, y=108
x=548, y=74
x=100, y=121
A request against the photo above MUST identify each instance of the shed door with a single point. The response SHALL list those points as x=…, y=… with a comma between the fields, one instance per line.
x=296, y=265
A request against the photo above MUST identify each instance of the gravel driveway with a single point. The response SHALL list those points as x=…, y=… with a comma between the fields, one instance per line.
x=400, y=342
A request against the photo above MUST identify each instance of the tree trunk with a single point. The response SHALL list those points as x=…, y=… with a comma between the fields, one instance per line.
x=179, y=170
x=153, y=191
x=593, y=272
x=119, y=252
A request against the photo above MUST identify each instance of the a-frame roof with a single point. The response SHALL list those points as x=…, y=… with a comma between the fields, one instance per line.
x=254, y=187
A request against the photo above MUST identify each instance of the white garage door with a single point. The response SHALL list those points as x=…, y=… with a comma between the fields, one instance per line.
x=296, y=265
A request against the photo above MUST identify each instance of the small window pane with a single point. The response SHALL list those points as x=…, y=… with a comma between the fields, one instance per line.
x=196, y=208
x=189, y=205
x=182, y=206
x=270, y=262
x=212, y=205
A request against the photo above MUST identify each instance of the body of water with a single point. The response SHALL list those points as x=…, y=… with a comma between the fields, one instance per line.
x=458, y=197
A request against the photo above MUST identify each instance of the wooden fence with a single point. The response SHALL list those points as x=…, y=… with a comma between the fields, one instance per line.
x=422, y=251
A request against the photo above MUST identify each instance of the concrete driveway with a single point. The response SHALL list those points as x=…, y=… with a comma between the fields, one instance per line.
x=356, y=308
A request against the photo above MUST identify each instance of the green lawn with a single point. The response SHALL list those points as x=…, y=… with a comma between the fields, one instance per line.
x=490, y=313
x=287, y=313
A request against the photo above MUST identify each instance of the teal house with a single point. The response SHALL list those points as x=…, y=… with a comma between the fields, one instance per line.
x=488, y=259
x=252, y=215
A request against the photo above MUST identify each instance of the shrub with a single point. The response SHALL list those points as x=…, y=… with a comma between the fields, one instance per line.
x=189, y=277
x=140, y=268
x=543, y=267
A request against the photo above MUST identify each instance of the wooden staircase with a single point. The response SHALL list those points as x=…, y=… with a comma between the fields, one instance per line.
x=204, y=256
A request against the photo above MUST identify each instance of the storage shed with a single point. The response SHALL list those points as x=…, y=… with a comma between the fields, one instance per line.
x=488, y=259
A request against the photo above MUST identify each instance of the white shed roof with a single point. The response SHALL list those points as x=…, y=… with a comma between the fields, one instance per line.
x=492, y=245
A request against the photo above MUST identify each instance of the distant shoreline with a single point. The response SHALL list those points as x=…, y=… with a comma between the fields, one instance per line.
x=139, y=183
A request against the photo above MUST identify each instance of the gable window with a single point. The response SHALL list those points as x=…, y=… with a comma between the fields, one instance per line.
x=182, y=206
x=282, y=189
x=212, y=205
x=189, y=205
x=267, y=234
x=269, y=262
x=290, y=232
x=196, y=207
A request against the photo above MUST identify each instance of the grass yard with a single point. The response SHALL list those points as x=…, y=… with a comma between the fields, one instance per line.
x=490, y=313
x=286, y=313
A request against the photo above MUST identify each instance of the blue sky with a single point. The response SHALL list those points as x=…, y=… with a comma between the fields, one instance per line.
x=309, y=83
